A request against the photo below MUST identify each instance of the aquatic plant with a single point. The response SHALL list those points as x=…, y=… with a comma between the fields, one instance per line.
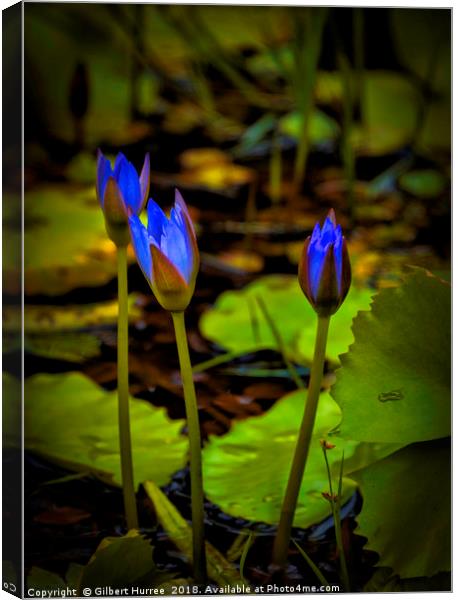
x=324, y=276
x=121, y=192
x=168, y=255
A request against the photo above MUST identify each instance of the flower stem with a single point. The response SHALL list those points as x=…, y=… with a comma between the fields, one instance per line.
x=339, y=544
x=197, y=494
x=282, y=540
x=335, y=506
x=128, y=489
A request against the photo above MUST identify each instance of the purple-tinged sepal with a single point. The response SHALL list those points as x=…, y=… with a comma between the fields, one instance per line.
x=324, y=267
x=167, y=253
x=121, y=193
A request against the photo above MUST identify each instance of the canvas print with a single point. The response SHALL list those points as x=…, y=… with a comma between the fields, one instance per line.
x=227, y=299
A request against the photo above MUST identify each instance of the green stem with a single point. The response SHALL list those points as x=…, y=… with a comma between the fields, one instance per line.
x=275, y=169
x=347, y=151
x=321, y=578
x=197, y=493
x=306, y=65
x=339, y=543
x=282, y=540
x=128, y=489
x=221, y=359
x=335, y=505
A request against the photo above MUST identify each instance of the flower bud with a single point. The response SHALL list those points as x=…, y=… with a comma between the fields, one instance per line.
x=167, y=253
x=324, y=267
x=326, y=445
x=121, y=192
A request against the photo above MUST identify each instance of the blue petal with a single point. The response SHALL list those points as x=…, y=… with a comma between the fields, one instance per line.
x=176, y=215
x=119, y=162
x=140, y=242
x=103, y=173
x=316, y=234
x=316, y=255
x=130, y=186
x=328, y=232
x=174, y=246
x=157, y=221
x=338, y=257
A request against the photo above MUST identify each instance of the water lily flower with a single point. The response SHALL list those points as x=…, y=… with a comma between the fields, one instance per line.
x=167, y=253
x=324, y=268
x=121, y=192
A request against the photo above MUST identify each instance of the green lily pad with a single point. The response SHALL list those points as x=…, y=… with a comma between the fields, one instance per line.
x=340, y=333
x=406, y=512
x=42, y=318
x=322, y=128
x=427, y=183
x=120, y=562
x=82, y=167
x=46, y=581
x=40, y=579
x=394, y=384
x=71, y=347
x=72, y=421
x=65, y=245
x=246, y=470
x=58, y=331
x=237, y=324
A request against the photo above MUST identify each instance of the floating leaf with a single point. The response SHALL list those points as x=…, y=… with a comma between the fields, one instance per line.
x=42, y=318
x=340, y=333
x=81, y=169
x=246, y=470
x=219, y=569
x=328, y=87
x=213, y=169
x=56, y=331
x=322, y=128
x=394, y=384
x=120, y=562
x=236, y=322
x=73, y=575
x=65, y=244
x=72, y=421
x=40, y=579
x=71, y=347
x=46, y=581
x=406, y=512
x=427, y=183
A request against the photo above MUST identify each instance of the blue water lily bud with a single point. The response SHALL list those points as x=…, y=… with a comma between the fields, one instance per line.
x=324, y=267
x=167, y=253
x=121, y=192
